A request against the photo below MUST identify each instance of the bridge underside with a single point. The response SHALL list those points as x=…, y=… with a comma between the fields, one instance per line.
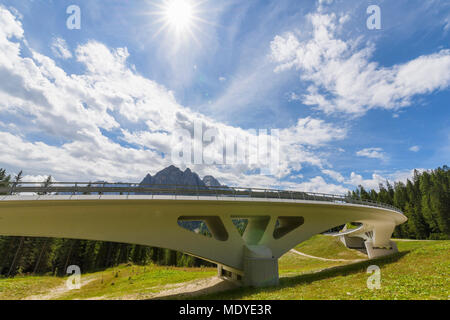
x=274, y=226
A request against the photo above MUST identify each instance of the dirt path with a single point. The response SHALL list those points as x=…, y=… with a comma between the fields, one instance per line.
x=323, y=259
x=197, y=287
x=57, y=292
x=182, y=290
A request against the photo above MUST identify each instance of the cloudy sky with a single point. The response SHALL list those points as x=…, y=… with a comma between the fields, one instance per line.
x=352, y=105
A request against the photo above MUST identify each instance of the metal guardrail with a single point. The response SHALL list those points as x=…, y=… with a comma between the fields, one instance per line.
x=80, y=188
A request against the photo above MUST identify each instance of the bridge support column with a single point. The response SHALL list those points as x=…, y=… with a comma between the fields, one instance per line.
x=374, y=252
x=260, y=267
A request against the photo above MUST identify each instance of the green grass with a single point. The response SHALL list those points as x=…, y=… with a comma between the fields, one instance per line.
x=421, y=270
x=125, y=281
x=135, y=282
x=318, y=246
x=19, y=287
x=328, y=247
x=293, y=264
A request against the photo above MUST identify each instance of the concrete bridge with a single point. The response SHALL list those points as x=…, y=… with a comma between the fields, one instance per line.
x=151, y=215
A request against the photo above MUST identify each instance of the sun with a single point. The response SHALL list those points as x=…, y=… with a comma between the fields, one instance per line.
x=179, y=14
x=178, y=17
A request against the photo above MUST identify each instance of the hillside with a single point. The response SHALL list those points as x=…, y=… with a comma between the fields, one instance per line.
x=326, y=270
x=421, y=270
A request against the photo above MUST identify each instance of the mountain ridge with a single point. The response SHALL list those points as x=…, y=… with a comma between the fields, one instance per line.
x=174, y=176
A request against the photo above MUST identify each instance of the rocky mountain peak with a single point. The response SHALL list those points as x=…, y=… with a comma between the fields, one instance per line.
x=210, y=181
x=174, y=176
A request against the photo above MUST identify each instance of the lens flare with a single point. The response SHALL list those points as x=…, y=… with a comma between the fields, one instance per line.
x=179, y=20
x=179, y=14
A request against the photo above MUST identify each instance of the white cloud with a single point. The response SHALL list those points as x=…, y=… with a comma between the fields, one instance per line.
x=375, y=180
x=222, y=79
x=100, y=60
x=9, y=25
x=73, y=110
x=91, y=160
x=316, y=184
x=293, y=97
x=374, y=153
x=334, y=174
x=414, y=149
x=356, y=180
x=60, y=49
x=38, y=178
x=310, y=131
x=342, y=76
x=297, y=176
x=322, y=3
x=403, y=175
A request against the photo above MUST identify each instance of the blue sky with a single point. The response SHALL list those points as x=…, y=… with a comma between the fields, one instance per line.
x=353, y=105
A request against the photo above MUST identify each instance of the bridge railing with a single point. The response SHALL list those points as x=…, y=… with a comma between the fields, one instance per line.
x=104, y=188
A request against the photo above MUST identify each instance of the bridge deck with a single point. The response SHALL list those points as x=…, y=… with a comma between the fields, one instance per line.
x=103, y=190
x=278, y=220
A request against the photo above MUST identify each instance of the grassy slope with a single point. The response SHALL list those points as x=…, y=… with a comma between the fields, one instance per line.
x=421, y=270
x=292, y=264
x=318, y=246
x=136, y=281
x=19, y=287
x=124, y=280
x=328, y=247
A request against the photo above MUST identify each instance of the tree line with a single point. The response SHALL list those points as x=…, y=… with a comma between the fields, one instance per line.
x=424, y=199
x=26, y=255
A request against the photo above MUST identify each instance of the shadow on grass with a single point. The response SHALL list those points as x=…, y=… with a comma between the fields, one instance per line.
x=293, y=281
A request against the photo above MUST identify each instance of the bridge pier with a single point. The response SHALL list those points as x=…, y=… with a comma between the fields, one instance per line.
x=260, y=268
x=375, y=252
x=371, y=250
x=353, y=242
